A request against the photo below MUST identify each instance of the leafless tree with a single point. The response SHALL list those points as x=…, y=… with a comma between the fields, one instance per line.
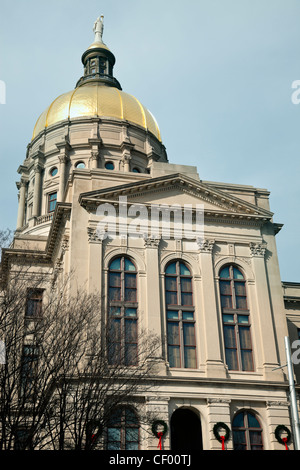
x=67, y=367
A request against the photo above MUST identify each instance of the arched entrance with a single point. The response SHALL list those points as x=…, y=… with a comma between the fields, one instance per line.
x=186, y=431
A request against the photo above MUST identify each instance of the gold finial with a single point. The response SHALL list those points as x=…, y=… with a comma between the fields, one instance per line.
x=98, y=29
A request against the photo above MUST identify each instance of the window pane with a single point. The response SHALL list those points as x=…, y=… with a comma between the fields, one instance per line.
x=231, y=359
x=188, y=315
x=174, y=356
x=115, y=264
x=171, y=269
x=114, y=434
x=132, y=434
x=130, y=331
x=130, y=312
x=187, y=299
x=190, y=357
x=115, y=311
x=115, y=417
x=228, y=318
x=225, y=287
x=243, y=319
x=252, y=421
x=171, y=284
x=171, y=298
x=229, y=336
x=130, y=280
x=239, y=440
x=240, y=288
x=130, y=295
x=238, y=421
x=172, y=314
x=245, y=337
x=115, y=279
x=226, y=301
x=241, y=303
x=184, y=270
x=130, y=417
x=237, y=273
x=114, y=294
x=131, y=354
x=247, y=360
x=186, y=285
x=173, y=333
x=188, y=334
x=225, y=272
x=129, y=266
x=255, y=440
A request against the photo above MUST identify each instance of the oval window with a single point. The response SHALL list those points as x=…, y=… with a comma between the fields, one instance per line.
x=53, y=171
x=80, y=165
x=109, y=165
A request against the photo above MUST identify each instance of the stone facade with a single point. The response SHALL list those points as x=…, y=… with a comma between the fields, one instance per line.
x=239, y=231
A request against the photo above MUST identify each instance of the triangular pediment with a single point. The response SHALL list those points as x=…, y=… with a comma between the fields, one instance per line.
x=176, y=189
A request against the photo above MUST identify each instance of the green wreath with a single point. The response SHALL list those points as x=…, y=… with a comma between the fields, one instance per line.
x=278, y=432
x=223, y=426
x=157, y=423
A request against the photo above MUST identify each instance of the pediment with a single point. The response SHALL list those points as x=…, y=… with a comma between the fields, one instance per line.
x=176, y=189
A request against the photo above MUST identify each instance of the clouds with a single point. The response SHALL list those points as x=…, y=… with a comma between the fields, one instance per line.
x=216, y=74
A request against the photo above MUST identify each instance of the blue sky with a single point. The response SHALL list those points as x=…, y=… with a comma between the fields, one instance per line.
x=216, y=74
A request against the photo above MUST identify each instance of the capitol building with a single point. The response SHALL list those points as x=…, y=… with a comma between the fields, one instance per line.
x=213, y=298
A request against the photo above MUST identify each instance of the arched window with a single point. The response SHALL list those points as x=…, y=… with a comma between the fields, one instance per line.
x=236, y=319
x=180, y=316
x=122, y=312
x=123, y=430
x=247, y=432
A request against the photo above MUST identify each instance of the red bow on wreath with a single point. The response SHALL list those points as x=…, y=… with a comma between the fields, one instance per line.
x=223, y=442
x=285, y=439
x=159, y=435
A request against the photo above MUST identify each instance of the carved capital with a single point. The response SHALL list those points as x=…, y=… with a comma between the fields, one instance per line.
x=258, y=249
x=205, y=245
x=94, y=236
x=151, y=242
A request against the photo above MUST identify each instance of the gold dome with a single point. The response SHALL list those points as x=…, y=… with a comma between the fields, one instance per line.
x=94, y=99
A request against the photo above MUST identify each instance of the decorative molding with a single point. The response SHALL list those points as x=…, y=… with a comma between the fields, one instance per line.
x=277, y=403
x=258, y=249
x=151, y=242
x=94, y=236
x=205, y=245
x=226, y=401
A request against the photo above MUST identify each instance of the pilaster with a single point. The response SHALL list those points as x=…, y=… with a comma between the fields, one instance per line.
x=214, y=363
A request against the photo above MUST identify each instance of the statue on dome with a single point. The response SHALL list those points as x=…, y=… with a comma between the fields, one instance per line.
x=98, y=29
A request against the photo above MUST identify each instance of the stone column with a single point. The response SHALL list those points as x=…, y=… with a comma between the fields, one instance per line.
x=268, y=342
x=157, y=408
x=153, y=288
x=214, y=362
x=94, y=261
x=218, y=410
x=126, y=160
x=37, y=191
x=278, y=413
x=21, y=208
x=62, y=176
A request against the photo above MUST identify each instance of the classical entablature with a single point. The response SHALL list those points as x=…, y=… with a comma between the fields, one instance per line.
x=163, y=190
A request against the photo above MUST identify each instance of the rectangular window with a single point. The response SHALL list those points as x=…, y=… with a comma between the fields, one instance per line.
x=34, y=303
x=52, y=199
x=29, y=369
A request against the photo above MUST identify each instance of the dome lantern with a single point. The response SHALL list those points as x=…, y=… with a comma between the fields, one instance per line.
x=98, y=60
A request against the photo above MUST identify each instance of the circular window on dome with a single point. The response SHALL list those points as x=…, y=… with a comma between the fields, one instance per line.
x=80, y=165
x=109, y=166
x=136, y=170
x=53, y=171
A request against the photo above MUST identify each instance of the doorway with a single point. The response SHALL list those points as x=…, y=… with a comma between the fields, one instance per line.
x=186, y=434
